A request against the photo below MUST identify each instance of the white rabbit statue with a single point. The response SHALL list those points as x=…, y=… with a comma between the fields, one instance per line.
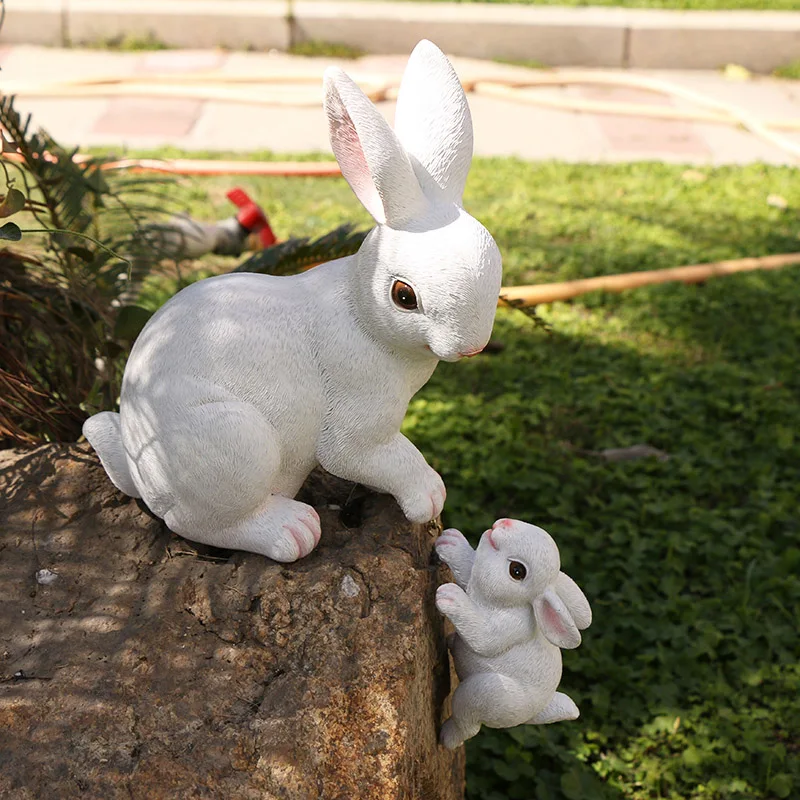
x=241, y=384
x=512, y=609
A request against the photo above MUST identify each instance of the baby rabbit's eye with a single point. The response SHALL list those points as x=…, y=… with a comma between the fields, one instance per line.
x=404, y=296
x=517, y=571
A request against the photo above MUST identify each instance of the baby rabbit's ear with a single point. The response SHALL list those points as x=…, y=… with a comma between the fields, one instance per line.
x=555, y=621
x=575, y=600
x=372, y=159
x=433, y=123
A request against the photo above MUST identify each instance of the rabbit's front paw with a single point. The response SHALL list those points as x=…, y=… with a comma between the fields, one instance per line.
x=449, y=597
x=452, y=547
x=426, y=501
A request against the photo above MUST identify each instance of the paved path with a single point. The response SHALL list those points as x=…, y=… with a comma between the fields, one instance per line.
x=501, y=127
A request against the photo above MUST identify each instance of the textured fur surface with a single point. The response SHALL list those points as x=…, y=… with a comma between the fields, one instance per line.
x=241, y=384
x=508, y=629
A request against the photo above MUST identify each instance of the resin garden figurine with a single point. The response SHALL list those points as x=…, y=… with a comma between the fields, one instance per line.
x=512, y=609
x=241, y=384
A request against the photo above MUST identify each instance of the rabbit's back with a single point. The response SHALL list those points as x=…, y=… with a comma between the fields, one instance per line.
x=241, y=337
x=237, y=338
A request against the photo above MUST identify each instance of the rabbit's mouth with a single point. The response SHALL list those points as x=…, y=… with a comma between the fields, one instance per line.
x=488, y=536
x=443, y=356
x=452, y=357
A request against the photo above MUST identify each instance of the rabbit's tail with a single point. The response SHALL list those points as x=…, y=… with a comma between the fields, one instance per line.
x=104, y=435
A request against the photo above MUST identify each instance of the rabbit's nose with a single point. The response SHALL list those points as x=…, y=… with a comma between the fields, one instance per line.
x=470, y=353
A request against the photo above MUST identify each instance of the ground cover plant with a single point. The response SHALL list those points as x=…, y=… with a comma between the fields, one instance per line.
x=710, y=5
x=689, y=5
x=688, y=678
x=790, y=71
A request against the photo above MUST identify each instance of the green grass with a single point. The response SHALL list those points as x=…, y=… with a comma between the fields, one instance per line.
x=695, y=5
x=127, y=43
x=791, y=71
x=688, y=678
x=318, y=48
x=760, y=5
x=530, y=63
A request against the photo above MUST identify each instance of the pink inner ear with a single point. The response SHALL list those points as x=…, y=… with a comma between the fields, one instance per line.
x=553, y=620
x=350, y=155
x=359, y=173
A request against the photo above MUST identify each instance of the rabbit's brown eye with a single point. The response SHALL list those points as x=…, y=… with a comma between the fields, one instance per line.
x=403, y=296
x=517, y=571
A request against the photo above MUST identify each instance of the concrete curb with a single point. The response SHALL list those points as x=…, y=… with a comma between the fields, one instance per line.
x=580, y=36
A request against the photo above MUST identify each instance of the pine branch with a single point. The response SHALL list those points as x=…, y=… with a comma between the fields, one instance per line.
x=296, y=254
x=63, y=184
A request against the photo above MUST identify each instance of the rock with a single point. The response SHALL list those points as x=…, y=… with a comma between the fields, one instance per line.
x=156, y=668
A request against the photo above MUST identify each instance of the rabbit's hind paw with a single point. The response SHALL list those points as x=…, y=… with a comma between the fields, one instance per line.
x=452, y=736
x=283, y=530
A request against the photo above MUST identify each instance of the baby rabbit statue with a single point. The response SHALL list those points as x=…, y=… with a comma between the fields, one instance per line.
x=241, y=384
x=512, y=610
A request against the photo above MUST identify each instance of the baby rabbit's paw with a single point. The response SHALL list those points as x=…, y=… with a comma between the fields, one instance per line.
x=453, y=548
x=449, y=598
x=426, y=500
x=451, y=736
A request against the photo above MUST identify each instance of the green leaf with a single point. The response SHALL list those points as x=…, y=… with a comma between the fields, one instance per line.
x=781, y=784
x=13, y=202
x=97, y=182
x=10, y=232
x=130, y=321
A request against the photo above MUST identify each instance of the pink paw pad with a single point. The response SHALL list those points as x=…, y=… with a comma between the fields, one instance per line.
x=446, y=594
x=314, y=526
x=300, y=539
x=437, y=502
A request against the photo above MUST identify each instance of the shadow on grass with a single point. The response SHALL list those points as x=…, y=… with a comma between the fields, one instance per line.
x=688, y=676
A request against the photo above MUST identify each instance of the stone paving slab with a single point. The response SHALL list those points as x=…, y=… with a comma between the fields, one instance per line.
x=671, y=139
x=758, y=40
x=502, y=127
x=553, y=35
x=181, y=23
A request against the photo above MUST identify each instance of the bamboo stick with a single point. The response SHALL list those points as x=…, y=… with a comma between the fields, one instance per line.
x=695, y=273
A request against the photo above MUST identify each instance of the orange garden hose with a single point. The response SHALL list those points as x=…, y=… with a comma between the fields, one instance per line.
x=209, y=167
x=197, y=166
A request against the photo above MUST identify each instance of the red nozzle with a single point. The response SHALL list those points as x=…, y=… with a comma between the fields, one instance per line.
x=251, y=216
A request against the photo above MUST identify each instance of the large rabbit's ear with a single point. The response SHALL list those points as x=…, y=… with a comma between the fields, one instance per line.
x=433, y=123
x=575, y=600
x=372, y=159
x=555, y=621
